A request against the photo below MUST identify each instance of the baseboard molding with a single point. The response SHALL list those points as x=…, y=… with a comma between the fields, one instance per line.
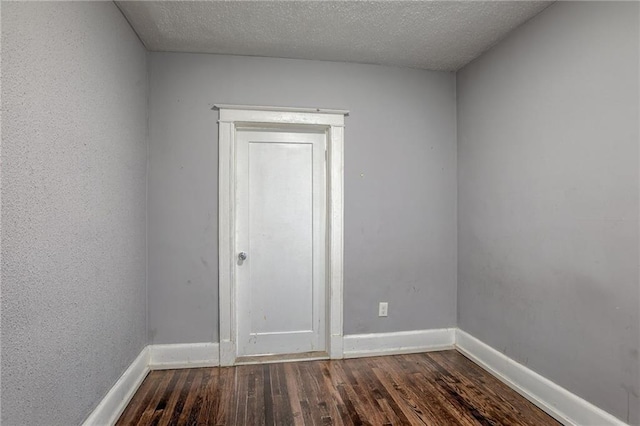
x=564, y=406
x=187, y=355
x=402, y=342
x=113, y=404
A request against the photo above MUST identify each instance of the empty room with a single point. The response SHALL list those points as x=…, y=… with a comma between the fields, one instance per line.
x=320, y=213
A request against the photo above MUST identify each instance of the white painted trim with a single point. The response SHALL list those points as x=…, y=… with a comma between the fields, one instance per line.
x=564, y=406
x=115, y=401
x=402, y=342
x=226, y=242
x=285, y=117
x=281, y=109
x=186, y=355
x=335, y=240
x=231, y=116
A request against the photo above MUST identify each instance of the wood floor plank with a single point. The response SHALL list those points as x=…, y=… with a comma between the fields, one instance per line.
x=294, y=393
x=363, y=402
x=412, y=415
x=242, y=394
x=435, y=389
x=358, y=405
x=309, y=394
x=145, y=392
x=192, y=393
x=422, y=385
x=149, y=415
x=420, y=407
x=383, y=401
x=431, y=382
x=201, y=409
x=337, y=407
x=468, y=387
x=281, y=408
x=457, y=395
x=171, y=407
x=184, y=391
x=475, y=376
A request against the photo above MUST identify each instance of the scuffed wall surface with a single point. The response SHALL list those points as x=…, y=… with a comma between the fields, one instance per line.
x=400, y=186
x=73, y=207
x=548, y=200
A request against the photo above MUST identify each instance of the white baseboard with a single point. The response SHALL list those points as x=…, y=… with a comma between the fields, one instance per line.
x=561, y=404
x=227, y=353
x=186, y=355
x=564, y=406
x=113, y=404
x=336, y=346
x=402, y=342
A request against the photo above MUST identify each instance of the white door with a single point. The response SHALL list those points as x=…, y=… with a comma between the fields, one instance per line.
x=281, y=225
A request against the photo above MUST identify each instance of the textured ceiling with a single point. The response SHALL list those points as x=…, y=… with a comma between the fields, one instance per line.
x=438, y=35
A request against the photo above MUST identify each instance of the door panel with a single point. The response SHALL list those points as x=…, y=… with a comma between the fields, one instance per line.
x=281, y=218
x=280, y=190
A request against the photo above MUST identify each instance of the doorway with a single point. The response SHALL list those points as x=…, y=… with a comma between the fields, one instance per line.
x=280, y=233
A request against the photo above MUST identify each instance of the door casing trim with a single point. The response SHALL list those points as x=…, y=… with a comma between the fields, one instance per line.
x=232, y=117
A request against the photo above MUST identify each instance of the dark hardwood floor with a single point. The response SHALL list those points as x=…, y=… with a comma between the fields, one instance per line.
x=437, y=388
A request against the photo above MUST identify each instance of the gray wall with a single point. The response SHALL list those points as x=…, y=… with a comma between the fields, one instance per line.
x=73, y=207
x=548, y=200
x=400, y=186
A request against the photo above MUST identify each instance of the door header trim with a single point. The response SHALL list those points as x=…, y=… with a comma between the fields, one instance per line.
x=278, y=115
x=280, y=109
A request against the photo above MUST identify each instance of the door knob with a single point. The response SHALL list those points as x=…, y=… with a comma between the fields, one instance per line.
x=242, y=256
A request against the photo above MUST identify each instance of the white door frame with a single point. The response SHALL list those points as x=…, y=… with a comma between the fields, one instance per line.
x=332, y=121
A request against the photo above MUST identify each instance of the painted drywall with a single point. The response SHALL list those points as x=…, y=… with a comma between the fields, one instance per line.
x=548, y=200
x=400, y=186
x=73, y=207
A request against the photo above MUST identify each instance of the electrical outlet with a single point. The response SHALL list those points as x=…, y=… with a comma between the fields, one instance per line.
x=383, y=309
